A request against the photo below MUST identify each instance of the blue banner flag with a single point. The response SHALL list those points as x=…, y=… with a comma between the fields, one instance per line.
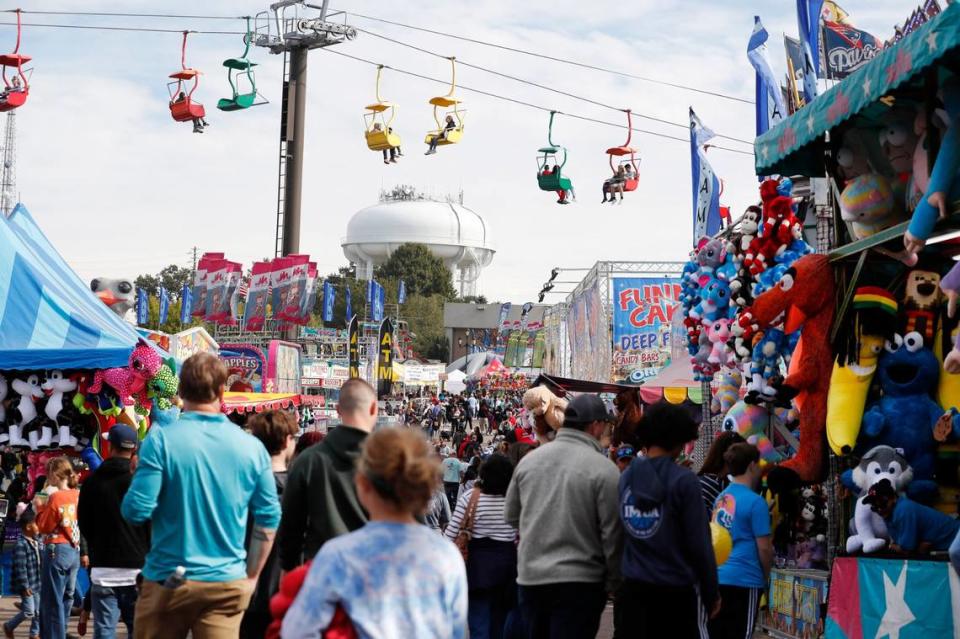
x=348, y=295
x=186, y=304
x=329, y=297
x=143, y=307
x=371, y=289
x=808, y=21
x=164, y=306
x=706, y=184
x=769, y=97
x=402, y=293
x=377, y=298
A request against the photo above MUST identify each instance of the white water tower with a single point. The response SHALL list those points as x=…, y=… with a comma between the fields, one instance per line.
x=458, y=236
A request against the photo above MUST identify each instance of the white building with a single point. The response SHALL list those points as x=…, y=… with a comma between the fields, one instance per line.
x=452, y=232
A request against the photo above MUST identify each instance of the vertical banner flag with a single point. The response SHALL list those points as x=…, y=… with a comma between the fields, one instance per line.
x=143, y=307
x=329, y=297
x=280, y=283
x=255, y=309
x=217, y=273
x=354, y=347
x=706, y=184
x=847, y=48
x=402, y=293
x=186, y=304
x=231, y=299
x=348, y=297
x=164, y=306
x=502, y=322
x=769, y=99
x=808, y=20
x=310, y=296
x=385, y=359
x=794, y=72
x=380, y=303
x=371, y=291
x=200, y=282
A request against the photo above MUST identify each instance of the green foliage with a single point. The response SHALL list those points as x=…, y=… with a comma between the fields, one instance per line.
x=171, y=277
x=423, y=273
x=472, y=299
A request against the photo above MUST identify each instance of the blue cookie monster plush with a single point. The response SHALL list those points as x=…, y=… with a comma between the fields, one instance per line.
x=905, y=417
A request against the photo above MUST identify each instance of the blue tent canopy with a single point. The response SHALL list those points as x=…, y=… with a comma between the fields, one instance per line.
x=49, y=318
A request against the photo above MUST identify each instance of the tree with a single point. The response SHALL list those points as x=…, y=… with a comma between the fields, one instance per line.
x=472, y=299
x=422, y=272
x=172, y=277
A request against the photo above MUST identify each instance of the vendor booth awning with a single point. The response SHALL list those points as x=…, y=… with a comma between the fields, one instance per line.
x=674, y=383
x=259, y=402
x=49, y=318
x=795, y=146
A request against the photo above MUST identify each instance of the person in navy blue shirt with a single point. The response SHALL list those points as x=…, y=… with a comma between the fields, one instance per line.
x=745, y=515
x=913, y=527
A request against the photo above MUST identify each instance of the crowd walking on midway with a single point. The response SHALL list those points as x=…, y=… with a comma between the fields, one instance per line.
x=456, y=523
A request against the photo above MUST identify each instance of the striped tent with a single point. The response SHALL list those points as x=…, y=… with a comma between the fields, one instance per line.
x=49, y=318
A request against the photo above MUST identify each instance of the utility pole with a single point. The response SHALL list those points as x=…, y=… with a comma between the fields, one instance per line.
x=288, y=29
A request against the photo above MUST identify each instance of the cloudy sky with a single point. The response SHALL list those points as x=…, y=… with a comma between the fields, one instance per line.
x=121, y=189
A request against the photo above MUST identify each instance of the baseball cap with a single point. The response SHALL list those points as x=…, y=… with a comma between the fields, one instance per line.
x=584, y=409
x=124, y=437
x=626, y=451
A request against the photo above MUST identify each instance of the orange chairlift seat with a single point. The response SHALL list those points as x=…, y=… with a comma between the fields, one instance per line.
x=447, y=136
x=183, y=108
x=17, y=87
x=627, y=156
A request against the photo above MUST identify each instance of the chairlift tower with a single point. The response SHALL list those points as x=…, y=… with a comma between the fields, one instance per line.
x=292, y=27
x=8, y=175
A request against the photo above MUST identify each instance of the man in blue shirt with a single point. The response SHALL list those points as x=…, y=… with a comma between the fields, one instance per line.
x=743, y=576
x=196, y=481
x=913, y=527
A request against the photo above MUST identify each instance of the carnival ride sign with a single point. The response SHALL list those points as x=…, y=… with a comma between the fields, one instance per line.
x=643, y=308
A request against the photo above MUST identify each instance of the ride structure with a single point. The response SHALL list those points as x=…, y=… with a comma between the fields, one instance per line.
x=16, y=89
x=552, y=178
x=183, y=108
x=443, y=135
x=240, y=75
x=379, y=120
x=626, y=155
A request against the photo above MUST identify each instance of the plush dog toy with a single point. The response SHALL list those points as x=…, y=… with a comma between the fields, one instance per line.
x=880, y=462
x=921, y=303
x=806, y=295
x=547, y=409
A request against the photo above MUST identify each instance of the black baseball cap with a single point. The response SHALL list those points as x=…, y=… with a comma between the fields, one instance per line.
x=586, y=409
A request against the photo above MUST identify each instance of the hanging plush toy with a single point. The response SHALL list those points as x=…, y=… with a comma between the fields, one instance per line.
x=162, y=388
x=921, y=303
x=728, y=392
x=905, y=417
x=131, y=382
x=880, y=462
x=950, y=286
x=934, y=204
x=768, y=351
x=59, y=412
x=752, y=423
x=874, y=322
x=24, y=411
x=718, y=332
x=547, y=410
x=806, y=295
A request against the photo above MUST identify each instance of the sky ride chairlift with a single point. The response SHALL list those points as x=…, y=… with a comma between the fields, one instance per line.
x=182, y=106
x=554, y=180
x=447, y=136
x=379, y=120
x=240, y=70
x=17, y=88
x=621, y=153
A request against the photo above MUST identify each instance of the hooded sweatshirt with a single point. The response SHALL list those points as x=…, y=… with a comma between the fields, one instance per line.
x=666, y=531
x=320, y=500
x=113, y=542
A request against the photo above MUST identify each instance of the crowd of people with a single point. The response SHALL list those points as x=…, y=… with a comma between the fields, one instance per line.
x=474, y=531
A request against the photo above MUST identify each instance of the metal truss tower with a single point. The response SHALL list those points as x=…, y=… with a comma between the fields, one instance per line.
x=8, y=176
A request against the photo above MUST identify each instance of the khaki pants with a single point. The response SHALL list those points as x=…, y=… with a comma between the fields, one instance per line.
x=210, y=610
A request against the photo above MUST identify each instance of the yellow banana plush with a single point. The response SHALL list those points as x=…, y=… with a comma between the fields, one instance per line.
x=948, y=389
x=847, y=397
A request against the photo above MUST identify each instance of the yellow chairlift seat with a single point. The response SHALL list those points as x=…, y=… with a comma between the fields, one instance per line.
x=452, y=136
x=379, y=120
x=442, y=136
x=444, y=101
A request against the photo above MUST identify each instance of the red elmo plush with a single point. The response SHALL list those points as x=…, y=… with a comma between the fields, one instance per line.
x=779, y=227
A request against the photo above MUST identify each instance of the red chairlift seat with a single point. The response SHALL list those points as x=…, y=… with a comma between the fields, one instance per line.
x=183, y=108
x=625, y=155
x=16, y=91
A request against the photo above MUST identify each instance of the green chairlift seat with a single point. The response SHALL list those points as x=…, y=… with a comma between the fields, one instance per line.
x=240, y=71
x=552, y=159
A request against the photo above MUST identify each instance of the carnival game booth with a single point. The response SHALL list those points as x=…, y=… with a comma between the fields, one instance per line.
x=875, y=370
x=69, y=367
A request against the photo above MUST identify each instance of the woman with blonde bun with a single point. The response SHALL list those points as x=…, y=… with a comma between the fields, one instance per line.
x=393, y=578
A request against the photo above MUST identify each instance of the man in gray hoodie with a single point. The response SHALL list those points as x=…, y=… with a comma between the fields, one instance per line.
x=563, y=499
x=669, y=568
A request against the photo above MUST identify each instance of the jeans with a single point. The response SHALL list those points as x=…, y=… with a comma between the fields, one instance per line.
x=29, y=609
x=452, y=490
x=487, y=614
x=563, y=610
x=955, y=553
x=58, y=577
x=110, y=605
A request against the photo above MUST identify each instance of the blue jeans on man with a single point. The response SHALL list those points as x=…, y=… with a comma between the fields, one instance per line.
x=110, y=605
x=955, y=553
x=29, y=610
x=58, y=577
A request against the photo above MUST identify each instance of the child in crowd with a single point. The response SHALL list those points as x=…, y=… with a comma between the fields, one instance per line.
x=26, y=576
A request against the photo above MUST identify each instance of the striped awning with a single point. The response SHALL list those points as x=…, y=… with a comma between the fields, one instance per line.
x=49, y=318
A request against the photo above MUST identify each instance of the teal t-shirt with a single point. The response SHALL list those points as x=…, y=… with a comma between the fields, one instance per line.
x=745, y=515
x=451, y=469
x=911, y=524
x=196, y=482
